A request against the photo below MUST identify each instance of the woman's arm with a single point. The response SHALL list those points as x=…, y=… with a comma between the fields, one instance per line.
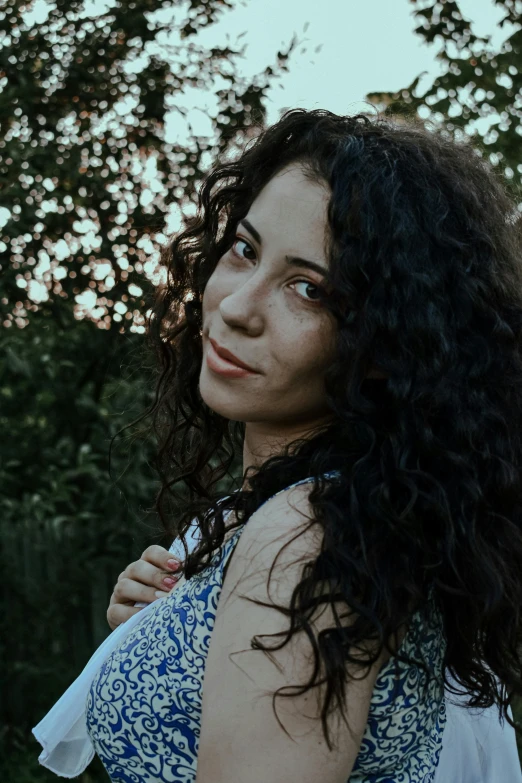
x=241, y=739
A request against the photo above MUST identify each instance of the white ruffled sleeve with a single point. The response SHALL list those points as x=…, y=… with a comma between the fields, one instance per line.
x=62, y=733
x=476, y=747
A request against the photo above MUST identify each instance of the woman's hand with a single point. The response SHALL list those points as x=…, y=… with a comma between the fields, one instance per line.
x=154, y=571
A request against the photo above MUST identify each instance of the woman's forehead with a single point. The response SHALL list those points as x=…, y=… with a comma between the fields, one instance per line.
x=291, y=200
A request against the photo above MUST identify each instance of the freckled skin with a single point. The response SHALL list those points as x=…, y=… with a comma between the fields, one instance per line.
x=263, y=311
x=254, y=306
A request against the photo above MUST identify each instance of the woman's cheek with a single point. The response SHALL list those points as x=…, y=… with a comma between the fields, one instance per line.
x=219, y=285
x=211, y=293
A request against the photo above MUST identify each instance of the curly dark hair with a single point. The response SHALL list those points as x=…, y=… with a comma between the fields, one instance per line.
x=426, y=285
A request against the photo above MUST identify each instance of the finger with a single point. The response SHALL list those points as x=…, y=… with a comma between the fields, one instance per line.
x=127, y=590
x=150, y=575
x=160, y=557
x=119, y=613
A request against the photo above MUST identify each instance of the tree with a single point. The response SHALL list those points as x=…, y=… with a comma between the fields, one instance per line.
x=478, y=83
x=89, y=180
x=65, y=527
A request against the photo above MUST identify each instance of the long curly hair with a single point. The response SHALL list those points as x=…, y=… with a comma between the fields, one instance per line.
x=426, y=285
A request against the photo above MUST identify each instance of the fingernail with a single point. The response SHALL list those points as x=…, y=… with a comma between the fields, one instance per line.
x=160, y=594
x=169, y=582
x=173, y=565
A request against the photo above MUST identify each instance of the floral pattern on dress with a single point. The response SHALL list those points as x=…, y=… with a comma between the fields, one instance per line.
x=143, y=710
x=403, y=736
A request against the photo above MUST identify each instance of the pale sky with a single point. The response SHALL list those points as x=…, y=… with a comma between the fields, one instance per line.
x=367, y=45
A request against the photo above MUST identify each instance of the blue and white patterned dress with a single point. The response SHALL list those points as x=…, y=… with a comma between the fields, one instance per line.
x=144, y=706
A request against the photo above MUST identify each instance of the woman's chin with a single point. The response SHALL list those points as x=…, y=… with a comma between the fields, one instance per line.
x=222, y=402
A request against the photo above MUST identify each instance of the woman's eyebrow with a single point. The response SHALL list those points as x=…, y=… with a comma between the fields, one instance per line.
x=290, y=260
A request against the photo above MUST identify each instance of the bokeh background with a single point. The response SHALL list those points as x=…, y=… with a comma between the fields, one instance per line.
x=111, y=112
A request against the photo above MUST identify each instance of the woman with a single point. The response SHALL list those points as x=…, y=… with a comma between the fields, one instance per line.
x=365, y=279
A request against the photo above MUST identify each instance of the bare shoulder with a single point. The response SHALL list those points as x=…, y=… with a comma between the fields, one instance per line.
x=280, y=536
x=238, y=719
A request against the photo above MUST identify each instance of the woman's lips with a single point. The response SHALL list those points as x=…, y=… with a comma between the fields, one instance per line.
x=223, y=367
x=229, y=356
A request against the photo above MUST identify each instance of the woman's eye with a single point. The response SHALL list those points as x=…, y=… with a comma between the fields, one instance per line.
x=239, y=252
x=315, y=296
x=241, y=246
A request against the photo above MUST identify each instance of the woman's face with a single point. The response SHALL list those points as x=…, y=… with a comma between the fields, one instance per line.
x=262, y=306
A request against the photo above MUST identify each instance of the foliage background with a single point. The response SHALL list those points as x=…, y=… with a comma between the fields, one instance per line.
x=90, y=191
